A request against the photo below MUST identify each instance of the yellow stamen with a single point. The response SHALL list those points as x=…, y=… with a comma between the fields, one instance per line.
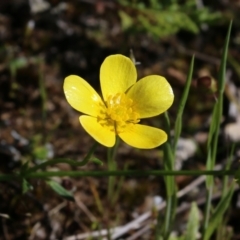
x=120, y=113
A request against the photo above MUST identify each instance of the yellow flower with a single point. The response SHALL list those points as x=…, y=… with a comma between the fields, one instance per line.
x=125, y=102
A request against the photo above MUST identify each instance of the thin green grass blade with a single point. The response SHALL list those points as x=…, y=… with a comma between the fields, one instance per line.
x=209, y=179
x=167, y=125
x=214, y=131
x=218, y=213
x=224, y=232
x=169, y=217
x=60, y=190
x=169, y=182
x=193, y=223
x=218, y=118
x=222, y=72
x=221, y=87
x=112, y=165
x=168, y=159
x=96, y=160
x=169, y=153
x=26, y=186
x=178, y=123
x=227, y=167
x=171, y=191
x=217, y=112
x=213, y=126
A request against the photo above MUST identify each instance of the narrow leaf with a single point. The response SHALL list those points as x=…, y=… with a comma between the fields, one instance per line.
x=212, y=127
x=169, y=182
x=96, y=160
x=209, y=179
x=26, y=186
x=60, y=190
x=214, y=130
x=168, y=159
x=227, y=167
x=218, y=213
x=178, y=123
x=222, y=72
x=193, y=223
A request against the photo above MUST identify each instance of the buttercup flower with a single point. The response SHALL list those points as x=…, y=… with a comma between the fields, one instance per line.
x=125, y=102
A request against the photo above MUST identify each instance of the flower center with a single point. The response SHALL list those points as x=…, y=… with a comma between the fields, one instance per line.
x=120, y=113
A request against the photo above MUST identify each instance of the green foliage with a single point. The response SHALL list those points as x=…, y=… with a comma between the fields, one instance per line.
x=210, y=223
x=169, y=149
x=171, y=188
x=224, y=231
x=218, y=213
x=96, y=160
x=60, y=190
x=193, y=223
x=178, y=122
x=40, y=150
x=26, y=186
x=161, y=20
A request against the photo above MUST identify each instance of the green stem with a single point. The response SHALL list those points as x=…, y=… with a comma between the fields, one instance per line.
x=207, y=208
x=167, y=216
x=215, y=129
x=112, y=166
x=68, y=161
x=169, y=181
x=129, y=173
x=227, y=167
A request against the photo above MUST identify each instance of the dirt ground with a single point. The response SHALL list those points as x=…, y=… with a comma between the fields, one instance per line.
x=42, y=42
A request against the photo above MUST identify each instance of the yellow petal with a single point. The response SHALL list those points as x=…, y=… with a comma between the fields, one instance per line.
x=151, y=96
x=141, y=136
x=81, y=96
x=117, y=74
x=97, y=131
